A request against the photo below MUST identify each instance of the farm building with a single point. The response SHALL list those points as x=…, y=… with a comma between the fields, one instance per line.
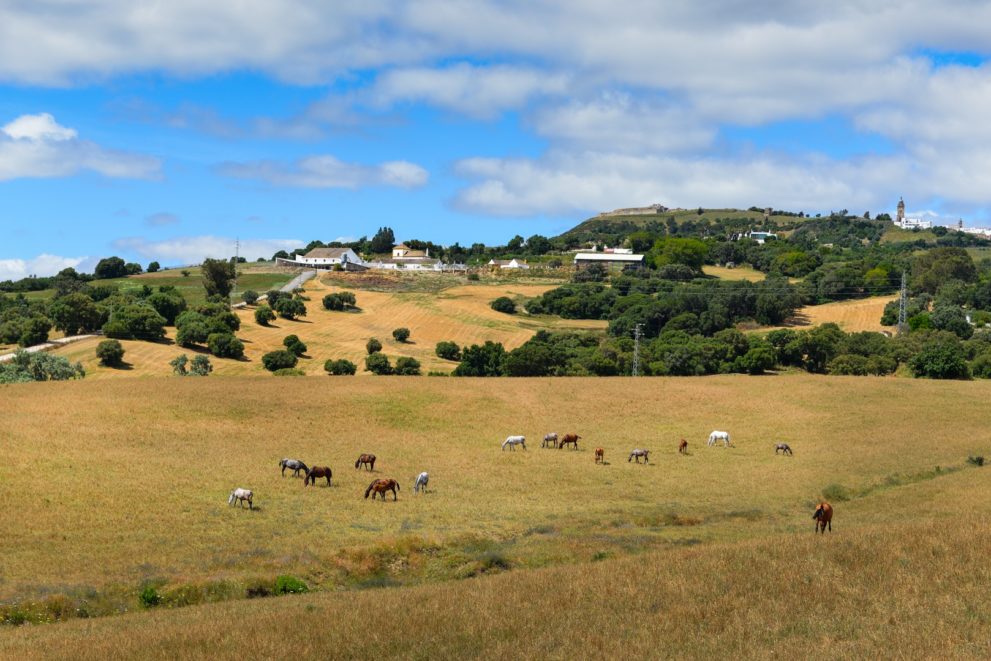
x=617, y=259
x=325, y=258
x=509, y=263
x=408, y=264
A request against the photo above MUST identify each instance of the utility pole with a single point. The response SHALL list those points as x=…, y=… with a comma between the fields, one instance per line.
x=237, y=259
x=902, y=305
x=636, y=350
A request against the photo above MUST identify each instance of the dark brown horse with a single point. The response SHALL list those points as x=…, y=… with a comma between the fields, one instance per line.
x=824, y=517
x=368, y=460
x=569, y=439
x=315, y=472
x=381, y=486
x=600, y=455
x=683, y=447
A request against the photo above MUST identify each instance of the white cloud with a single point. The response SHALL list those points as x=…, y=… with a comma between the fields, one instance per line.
x=161, y=219
x=194, y=249
x=37, y=146
x=43, y=265
x=329, y=172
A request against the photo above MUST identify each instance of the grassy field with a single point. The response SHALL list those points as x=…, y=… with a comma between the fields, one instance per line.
x=136, y=494
x=862, y=314
x=737, y=273
x=898, y=235
x=460, y=313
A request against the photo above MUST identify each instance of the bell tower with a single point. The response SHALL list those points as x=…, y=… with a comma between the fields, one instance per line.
x=900, y=216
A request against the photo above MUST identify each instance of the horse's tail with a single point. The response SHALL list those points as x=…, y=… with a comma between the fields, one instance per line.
x=397, y=484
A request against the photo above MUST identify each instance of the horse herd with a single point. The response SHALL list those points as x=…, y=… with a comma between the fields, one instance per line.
x=379, y=487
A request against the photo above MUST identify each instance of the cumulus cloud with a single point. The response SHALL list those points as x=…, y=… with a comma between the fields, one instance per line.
x=43, y=265
x=194, y=249
x=329, y=172
x=37, y=146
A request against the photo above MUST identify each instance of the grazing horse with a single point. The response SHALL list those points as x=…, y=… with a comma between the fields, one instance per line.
x=824, y=517
x=569, y=439
x=241, y=495
x=368, y=460
x=640, y=453
x=683, y=447
x=717, y=436
x=783, y=447
x=381, y=486
x=513, y=441
x=549, y=440
x=600, y=456
x=315, y=472
x=295, y=465
x=421, y=482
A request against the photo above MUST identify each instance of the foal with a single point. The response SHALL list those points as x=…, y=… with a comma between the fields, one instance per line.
x=683, y=447
x=600, y=455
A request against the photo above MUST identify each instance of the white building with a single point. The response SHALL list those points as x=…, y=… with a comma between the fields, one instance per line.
x=583, y=259
x=324, y=258
x=909, y=223
x=509, y=263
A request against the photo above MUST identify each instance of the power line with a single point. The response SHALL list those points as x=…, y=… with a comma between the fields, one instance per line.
x=902, y=305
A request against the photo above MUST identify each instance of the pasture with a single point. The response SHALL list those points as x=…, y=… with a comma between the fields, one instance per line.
x=112, y=486
x=860, y=314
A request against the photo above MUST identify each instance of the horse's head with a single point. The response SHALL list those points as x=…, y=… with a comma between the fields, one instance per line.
x=819, y=511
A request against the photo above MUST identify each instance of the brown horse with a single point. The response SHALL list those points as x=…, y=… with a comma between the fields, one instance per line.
x=600, y=456
x=315, y=472
x=368, y=460
x=683, y=447
x=569, y=439
x=824, y=517
x=381, y=486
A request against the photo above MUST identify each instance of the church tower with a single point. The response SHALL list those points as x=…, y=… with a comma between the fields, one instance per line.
x=901, y=210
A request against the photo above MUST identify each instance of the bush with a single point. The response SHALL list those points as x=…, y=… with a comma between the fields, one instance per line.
x=110, y=353
x=149, y=597
x=976, y=461
x=473, y=277
x=448, y=351
x=294, y=345
x=135, y=321
x=154, y=267
x=250, y=297
x=289, y=371
x=290, y=308
x=849, y=364
x=225, y=345
x=185, y=273
x=27, y=367
x=168, y=304
x=377, y=363
x=200, y=366
x=289, y=585
x=942, y=357
x=401, y=334
x=179, y=365
x=836, y=492
x=503, y=304
x=263, y=315
x=373, y=346
x=407, y=366
x=340, y=367
x=339, y=301
x=277, y=360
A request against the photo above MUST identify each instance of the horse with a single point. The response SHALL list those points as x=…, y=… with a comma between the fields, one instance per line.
x=241, y=495
x=513, y=441
x=295, y=465
x=381, y=486
x=549, y=439
x=569, y=439
x=683, y=447
x=717, y=436
x=783, y=447
x=368, y=460
x=600, y=456
x=640, y=453
x=824, y=517
x=421, y=482
x=315, y=472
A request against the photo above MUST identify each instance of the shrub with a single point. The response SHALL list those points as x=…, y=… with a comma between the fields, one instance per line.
x=179, y=365
x=289, y=585
x=377, y=363
x=149, y=597
x=340, y=367
x=225, y=345
x=401, y=334
x=294, y=345
x=981, y=367
x=250, y=297
x=110, y=353
x=154, y=267
x=448, y=351
x=290, y=308
x=135, y=321
x=942, y=357
x=263, y=315
x=849, y=364
x=373, y=346
x=503, y=304
x=976, y=461
x=185, y=273
x=836, y=492
x=168, y=304
x=339, y=301
x=275, y=295
x=258, y=587
x=277, y=360
x=473, y=277
x=289, y=371
x=200, y=366
x=27, y=367
x=407, y=366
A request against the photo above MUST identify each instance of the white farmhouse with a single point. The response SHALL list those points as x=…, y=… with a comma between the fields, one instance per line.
x=584, y=259
x=509, y=263
x=324, y=258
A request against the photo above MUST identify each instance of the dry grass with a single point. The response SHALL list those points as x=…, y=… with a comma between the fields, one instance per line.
x=862, y=314
x=461, y=314
x=737, y=273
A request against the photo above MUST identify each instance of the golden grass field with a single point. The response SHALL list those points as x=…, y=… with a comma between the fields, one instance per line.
x=461, y=314
x=862, y=314
x=736, y=273
x=115, y=484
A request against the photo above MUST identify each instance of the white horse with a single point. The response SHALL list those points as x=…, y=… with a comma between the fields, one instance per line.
x=513, y=441
x=241, y=495
x=717, y=436
x=421, y=482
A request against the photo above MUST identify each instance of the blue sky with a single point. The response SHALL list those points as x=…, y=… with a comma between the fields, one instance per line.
x=165, y=130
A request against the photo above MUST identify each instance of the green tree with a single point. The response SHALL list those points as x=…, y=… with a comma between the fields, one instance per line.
x=250, y=297
x=75, y=313
x=225, y=345
x=294, y=345
x=168, y=304
x=178, y=365
x=264, y=315
x=932, y=268
x=135, y=321
x=951, y=318
x=39, y=366
x=756, y=361
x=277, y=360
x=373, y=346
x=110, y=353
x=200, y=366
x=218, y=277
x=942, y=357
x=400, y=334
x=377, y=363
x=503, y=304
x=290, y=308
x=448, y=351
x=515, y=244
x=383, y=241
x=110, y=267
x=406, y=366
x=481, y=360
x=340, y=367
x=154, y=267
x=538, y=245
